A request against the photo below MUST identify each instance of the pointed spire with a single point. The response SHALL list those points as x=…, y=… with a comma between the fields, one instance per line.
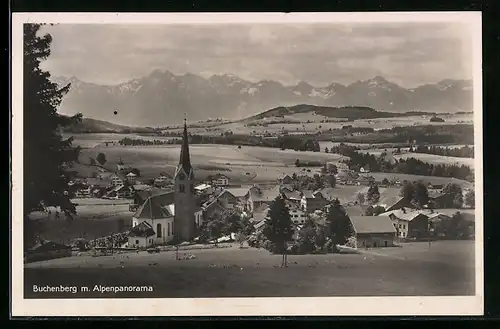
x=185, y=161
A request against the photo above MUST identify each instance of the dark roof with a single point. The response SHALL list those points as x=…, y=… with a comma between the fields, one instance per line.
x=143, y=229
x=48, y=246
x=157, y=206
x=372, y=224
x=308, y=194
x=143, y=195
x=292, y=195
x=185, y=160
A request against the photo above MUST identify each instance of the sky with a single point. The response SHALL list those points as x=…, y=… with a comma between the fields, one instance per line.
x=409, y=54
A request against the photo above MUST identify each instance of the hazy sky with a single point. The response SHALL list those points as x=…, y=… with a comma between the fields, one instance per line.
x=409, y=54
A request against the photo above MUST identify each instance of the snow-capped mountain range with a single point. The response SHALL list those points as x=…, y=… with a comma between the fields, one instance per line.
x=161, y=98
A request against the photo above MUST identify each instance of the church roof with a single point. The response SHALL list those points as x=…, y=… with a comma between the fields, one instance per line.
x=185, y=160
x=143, y=229
x=157, y=206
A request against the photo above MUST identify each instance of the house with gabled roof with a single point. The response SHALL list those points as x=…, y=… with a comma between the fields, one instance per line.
x=141, y=235
x=219, y=179
x=409, y=223
x=313, y=200
x=373, y=231
x=257, y=197
x=285, y=179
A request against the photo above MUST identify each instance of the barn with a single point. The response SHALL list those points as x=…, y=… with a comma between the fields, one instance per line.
x=373, y=231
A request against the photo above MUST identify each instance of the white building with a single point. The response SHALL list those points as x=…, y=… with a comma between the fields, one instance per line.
x=141, y=236
x=204, y=189
x=158, y=212
x=117, y=179
x=297, y=216
x=220, y=180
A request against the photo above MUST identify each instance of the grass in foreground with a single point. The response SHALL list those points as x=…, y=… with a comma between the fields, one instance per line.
x=445, y=269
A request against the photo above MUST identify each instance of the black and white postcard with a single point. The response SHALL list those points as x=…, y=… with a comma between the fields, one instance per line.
x=247, y=164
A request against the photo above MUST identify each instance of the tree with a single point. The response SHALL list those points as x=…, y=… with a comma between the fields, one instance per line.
x=278, y=227
x=326, y=149
x=307, y=237
x=297, y=163
x=373, y=194
x=378, y=210
x=453, y=196
x=361, y=198
x=407, y=191
x=101, y=158
x=470, y=199
x=420, y=195
x=337, y=223
x=216, y=228
x=369, y=211
x=385, y=181
x=48, y=157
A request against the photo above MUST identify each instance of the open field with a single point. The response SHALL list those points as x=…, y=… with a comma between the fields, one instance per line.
x=247, y=164
x=437, y=159
x=426, y=179
x=447, y=268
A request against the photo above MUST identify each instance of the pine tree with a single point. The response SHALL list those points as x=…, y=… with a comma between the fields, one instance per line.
x=420, y=194
x=337, y=224
x=47, y=155
x=470, y=199
x=278, y=228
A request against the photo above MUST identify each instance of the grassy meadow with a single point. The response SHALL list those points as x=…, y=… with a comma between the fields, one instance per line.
x=414, y=269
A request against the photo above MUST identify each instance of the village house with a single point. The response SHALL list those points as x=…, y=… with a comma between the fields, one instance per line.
x=118, y=179
x=203, y=189
x=121, y=192
x=339, y=165
x=84, y=192
x=365, y=180
x=293, y=197
x=227, y=199
x=286, y=188
x=297, y=216
x=131, y=178
x=373, y=231
x=285, y=179
x=163, y=180
x=409, y=223
x=312, y=201
x=212, y=208
x=257, y=197
x=141, y=236
x=219, y=180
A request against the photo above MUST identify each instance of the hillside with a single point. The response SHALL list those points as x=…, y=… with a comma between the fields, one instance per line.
x=160, y=98
x=88, y=125
x=345, y=112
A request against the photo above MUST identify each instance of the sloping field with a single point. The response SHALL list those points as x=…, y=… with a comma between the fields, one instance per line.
x=447, y=268
x=437, y=159
x=425, y=179
x=261, y=163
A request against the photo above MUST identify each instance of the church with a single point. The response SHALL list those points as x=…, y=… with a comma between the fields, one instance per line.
x=171, y=214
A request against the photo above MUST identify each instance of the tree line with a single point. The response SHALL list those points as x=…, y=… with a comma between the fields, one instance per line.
x=462, y=152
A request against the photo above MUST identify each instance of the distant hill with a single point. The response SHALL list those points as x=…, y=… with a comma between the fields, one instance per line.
x=345, y=112
x=161, y=98
x=88, y=125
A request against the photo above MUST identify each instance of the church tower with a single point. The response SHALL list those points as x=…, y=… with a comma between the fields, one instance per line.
x=184, y=220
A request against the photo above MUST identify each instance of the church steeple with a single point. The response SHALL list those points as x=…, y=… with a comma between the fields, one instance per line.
x=184, y=160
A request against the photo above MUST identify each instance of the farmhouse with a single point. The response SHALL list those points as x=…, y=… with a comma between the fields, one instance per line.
x=141, y=236
x=339, y=165
x=84, y=192
x=312, y=201
x=117, y=179
x=226, y=199
x=409, y=223
x=365, y=180
x=373, y=231
x=293, y=197
x=219, y=180
x=131, y=178
x=203, y=189
x=286, y=179
x=163, y=180
x=257, y=197
x=297, y=216
x=121, y=192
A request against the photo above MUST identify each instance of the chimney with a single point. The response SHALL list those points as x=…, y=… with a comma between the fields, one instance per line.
x=403, y=210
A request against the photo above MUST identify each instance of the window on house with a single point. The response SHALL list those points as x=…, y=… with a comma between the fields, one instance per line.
x=136, y=241
x=158, y=230
x=399, y=225
x=181, y=188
